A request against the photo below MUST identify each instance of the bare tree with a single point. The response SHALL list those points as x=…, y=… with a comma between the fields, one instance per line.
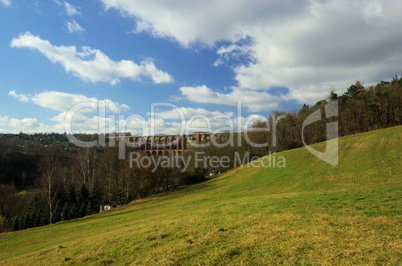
x=85, y=165
x=50, y=167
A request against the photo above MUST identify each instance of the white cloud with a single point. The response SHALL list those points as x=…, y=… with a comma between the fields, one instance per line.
x=186, y=120
x=255, y=101
x=61, y=101
x=82, y=120
x=74, y=27
x=71, y=10
x=308, y=46
x=3, y=118
x=82, y=123
x=6, y=2
x=190, y=21
x=20, y=97
x=24, y=123
x=163, y=122
x=188, y=112
x=91, y=64
x=175, y=98
x=232, y=51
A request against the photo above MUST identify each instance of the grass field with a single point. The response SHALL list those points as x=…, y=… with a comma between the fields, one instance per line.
x=307, y=213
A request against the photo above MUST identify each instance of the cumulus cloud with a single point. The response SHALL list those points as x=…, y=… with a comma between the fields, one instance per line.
x=24, y=123
x=61, y=101
x=189, y=112
x=80, y=124
x=83, y=123
x=29, y=125
x=191, y=21
x=3, y=118
x=91, y=65
x=6, y=2
x=174, y=120
x=82, y=120
x=21, y=97
x=198, y=119
x=187, y=120
x=255, y=101
x=307, y=46
x=70, y=10
x=74, y=27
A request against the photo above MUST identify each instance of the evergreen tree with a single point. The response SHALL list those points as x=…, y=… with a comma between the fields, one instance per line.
x=66, y=211
x=15, y=225
x=333, y=96
x=81, y=210
x=28, y=220
x=73, y=212
x=21, y=224
x=354, y=91
x=37, y=219
x=72, y=195
x=44, y=219
x=82, y=195
x=57, y=214
x=96, y=195
x=88, y=209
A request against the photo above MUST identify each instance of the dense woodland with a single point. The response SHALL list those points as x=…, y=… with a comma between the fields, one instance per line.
x=44, y=179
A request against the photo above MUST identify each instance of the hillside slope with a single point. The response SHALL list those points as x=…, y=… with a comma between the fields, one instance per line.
x=308, y=212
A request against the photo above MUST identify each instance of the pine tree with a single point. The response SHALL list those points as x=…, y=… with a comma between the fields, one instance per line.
x=73, y=212
x=21, y=224
x=15, y=226
x=33, y=218
x=29, y=220
x=96, y=194
x=65, y=213
x=82, y=194
x=36, y=220
x=57, y=214
x=82, y=210
x=354, y=91
x=89, y=209
x=72, y=195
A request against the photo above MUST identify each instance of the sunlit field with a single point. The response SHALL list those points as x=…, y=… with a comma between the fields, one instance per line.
x=307, y=213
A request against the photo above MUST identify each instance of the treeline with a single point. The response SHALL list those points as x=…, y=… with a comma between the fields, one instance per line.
x=72, y=186
x=74, y=203
x=19, y=169
x=360, y=110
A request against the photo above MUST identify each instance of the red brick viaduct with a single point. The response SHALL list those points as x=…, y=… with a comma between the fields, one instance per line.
x=167, y=144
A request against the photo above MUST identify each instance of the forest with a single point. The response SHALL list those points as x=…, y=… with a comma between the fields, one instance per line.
x=44, y=179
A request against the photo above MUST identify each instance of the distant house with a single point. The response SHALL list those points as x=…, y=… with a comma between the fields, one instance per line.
x=107, y=207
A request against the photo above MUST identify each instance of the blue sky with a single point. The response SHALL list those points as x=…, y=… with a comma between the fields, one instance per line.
x=197, y=59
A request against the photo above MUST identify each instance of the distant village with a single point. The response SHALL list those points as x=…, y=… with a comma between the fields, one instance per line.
x=37, y=142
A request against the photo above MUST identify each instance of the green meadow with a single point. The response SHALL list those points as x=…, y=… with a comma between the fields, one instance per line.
x=306, y=213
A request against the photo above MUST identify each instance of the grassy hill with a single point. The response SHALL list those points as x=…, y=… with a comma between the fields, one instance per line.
x=308, y=212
